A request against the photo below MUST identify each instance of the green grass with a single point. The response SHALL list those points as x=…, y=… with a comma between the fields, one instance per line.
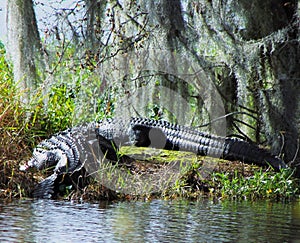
x=262, y=185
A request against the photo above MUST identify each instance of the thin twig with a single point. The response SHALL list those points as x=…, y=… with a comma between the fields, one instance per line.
x=227, y=115
x=244, y=123
x=241, y=132
x=295, y=156
x=282, y=145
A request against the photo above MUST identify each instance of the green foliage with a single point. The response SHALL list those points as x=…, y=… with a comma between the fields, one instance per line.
x=13, y=135
x=10, y=108
x=72, y=95
x=59, y=110
x=6, y=75
x=263, y=184
x=69, y=95
x=76, y=95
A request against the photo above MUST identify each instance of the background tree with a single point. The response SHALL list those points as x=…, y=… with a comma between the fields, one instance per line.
x=259, y=44
x=24, y=46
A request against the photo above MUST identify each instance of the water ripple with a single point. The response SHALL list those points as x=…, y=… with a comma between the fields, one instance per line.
x=155, y=221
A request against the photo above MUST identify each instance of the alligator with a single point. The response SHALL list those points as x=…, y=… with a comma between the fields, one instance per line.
x=70, y=152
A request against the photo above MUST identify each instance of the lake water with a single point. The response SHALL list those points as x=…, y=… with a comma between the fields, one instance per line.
x=153, y=221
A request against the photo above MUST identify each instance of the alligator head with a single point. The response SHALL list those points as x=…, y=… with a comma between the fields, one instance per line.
x=42, y=159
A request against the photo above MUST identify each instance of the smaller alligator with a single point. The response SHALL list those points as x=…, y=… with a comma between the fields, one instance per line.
x=70, y=152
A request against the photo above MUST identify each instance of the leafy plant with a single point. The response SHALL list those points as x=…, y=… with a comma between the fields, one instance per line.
x=263, y=184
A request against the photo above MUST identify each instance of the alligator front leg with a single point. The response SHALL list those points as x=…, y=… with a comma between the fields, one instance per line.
x=45, y=189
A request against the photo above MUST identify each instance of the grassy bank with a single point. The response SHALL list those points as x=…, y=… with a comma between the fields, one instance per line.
x=16, y=136
x=163, y=174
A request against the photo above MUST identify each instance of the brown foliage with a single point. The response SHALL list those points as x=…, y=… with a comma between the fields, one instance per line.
x=13, y=146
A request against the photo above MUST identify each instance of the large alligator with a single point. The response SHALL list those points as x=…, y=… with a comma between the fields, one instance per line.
x=72, y=151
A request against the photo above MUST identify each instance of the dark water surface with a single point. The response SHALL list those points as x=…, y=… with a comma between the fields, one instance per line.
x=154, y=221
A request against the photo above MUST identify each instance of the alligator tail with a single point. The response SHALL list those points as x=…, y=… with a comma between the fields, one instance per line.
x=236, y=149
x=151, y=133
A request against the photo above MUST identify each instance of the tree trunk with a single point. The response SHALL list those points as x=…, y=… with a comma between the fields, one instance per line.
x=23, y=45
x=95, y=15
x=278, y=98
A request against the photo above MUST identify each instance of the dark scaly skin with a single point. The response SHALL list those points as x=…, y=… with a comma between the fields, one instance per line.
x=161, y=134
x=69, y=150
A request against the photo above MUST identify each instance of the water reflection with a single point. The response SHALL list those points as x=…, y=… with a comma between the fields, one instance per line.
x=155, y=221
